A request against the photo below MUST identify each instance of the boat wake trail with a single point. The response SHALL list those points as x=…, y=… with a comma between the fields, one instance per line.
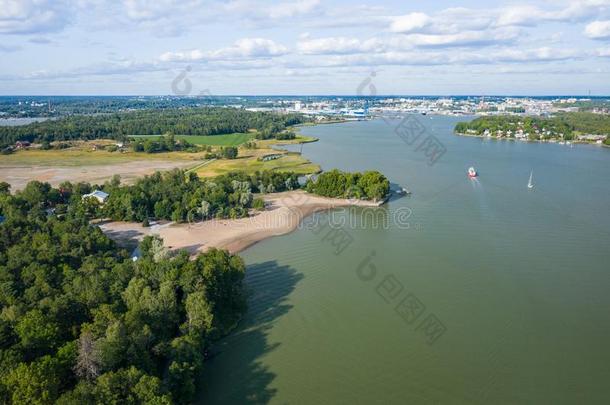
x=485, y=210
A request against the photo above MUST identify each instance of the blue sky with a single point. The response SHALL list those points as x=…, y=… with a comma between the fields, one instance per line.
x=305, y=47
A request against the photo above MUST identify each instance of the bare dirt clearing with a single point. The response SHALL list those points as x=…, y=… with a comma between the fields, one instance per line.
x=18, y=175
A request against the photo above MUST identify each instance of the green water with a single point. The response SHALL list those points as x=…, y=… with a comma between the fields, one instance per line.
x=519, y=278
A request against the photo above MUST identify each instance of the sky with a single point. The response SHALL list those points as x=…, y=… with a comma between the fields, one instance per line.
x=304, y=47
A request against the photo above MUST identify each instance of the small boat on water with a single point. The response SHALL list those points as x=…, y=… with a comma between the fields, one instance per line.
x=530, y=185
x=402, y=191
x=472, y=173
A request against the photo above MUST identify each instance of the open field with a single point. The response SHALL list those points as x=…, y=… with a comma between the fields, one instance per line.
x=250, y=164
x=213, y=140
x=80, y=157
x=18, y=176
x=248, y=160
x=81, y=163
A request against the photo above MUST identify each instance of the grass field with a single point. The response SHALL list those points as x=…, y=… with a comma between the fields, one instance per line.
x=212, y=140
x=287, y=163
x=248, y=160
x=79, y=157
x=88, y=161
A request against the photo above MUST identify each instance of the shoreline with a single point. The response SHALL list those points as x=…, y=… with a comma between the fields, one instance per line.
x=283, y=214
x=529, y=140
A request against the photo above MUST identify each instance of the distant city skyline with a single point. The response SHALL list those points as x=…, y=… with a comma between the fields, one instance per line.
x=304, y=47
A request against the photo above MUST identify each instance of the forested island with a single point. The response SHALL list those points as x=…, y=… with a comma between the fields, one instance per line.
x=580, y=126
x=180, y=121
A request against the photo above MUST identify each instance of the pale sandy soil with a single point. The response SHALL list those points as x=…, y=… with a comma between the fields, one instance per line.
x=19, y=175
x=283, y=214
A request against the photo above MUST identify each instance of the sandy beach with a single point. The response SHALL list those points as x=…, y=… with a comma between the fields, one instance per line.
x=283, y=213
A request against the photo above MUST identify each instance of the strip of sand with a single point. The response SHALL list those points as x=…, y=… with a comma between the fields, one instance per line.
x=283, y=213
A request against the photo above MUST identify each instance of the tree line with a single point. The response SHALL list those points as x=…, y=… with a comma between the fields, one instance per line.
x=166, y=143
x=179, y=196
x=564, y=125
x=370, y=185
x=121, y=125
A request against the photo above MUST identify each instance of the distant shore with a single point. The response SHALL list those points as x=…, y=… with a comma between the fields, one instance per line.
x=530, y=140
x=283, y=213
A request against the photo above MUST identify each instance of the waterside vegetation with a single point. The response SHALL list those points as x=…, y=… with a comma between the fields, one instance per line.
x=580, y=126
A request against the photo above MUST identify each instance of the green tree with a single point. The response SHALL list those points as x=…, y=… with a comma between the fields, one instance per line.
x=229, y=152
x=34, y=383
x=36, y=331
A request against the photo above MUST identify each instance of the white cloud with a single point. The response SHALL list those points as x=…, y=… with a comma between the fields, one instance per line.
x=520, y=15
x=464, y=38
x=528, y=15
x=250, y=9
x=338, y=45
x=459, y=19
x=251, y=48
x=146, y=10
x=410, y=22
x=345, y=46
x=245, y=48
x=32, y=16
x=542, y=54
x=598, y=30
x=293, y=8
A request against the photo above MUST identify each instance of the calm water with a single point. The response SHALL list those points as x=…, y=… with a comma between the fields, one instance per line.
x=519, y=278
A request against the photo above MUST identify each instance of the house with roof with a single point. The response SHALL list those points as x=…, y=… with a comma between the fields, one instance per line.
x=99, y=195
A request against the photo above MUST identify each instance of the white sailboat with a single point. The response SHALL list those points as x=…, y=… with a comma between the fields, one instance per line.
x=529, y=183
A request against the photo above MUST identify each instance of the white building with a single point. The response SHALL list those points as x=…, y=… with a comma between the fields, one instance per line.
x=99, y=195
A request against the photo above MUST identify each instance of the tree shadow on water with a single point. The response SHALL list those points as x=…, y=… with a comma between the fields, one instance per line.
x=236, y=374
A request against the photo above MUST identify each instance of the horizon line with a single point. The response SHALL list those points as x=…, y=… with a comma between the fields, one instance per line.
x=305, y=95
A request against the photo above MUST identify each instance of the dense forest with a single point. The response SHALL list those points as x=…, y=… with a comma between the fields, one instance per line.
x=566, y=125
x=370, y=185
x=81, y=323
x=59, y=106
x=184, y=121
